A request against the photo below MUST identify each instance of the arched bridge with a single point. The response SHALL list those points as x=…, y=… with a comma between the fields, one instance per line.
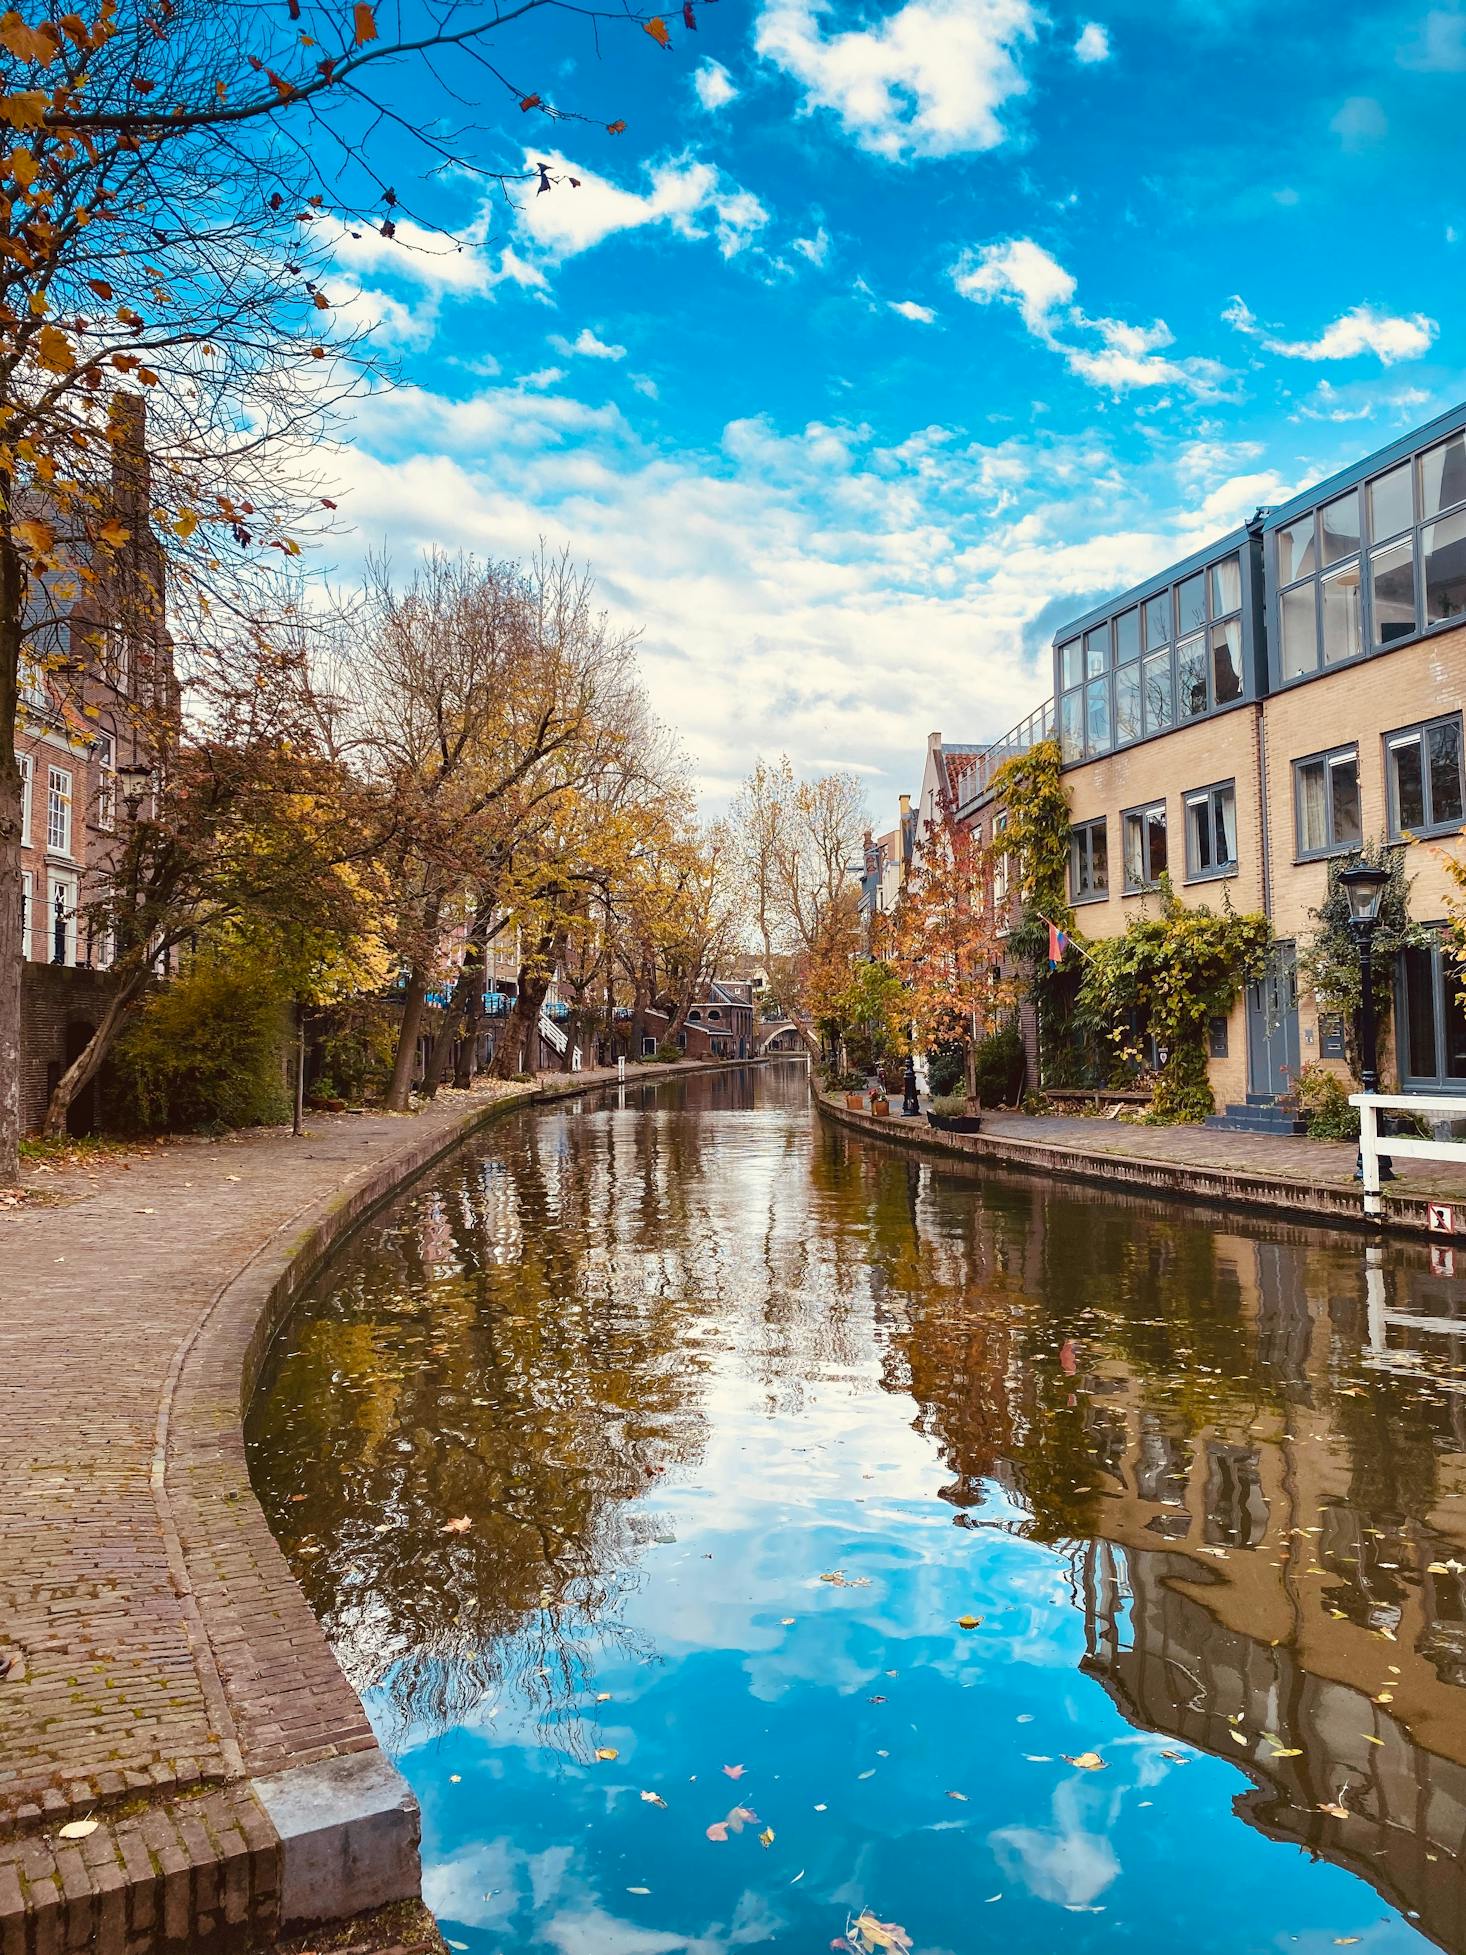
x=778, y=1033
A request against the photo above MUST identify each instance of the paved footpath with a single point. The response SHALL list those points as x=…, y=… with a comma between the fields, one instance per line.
x=165, y=1677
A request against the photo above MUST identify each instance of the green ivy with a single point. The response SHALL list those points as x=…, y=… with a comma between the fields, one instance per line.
x=1329, y=958
x=1169, y=973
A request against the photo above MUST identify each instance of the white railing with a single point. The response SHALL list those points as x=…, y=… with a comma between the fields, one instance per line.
x=1371, y=1146
x=552, y=1035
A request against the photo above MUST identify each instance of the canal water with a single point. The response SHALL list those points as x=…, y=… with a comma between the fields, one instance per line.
x=747, y=1536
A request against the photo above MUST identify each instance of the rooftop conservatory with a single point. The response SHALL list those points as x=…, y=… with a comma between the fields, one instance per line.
x=1176, y=648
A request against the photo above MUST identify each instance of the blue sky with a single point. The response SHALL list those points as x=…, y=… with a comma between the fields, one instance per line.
x=888, y=335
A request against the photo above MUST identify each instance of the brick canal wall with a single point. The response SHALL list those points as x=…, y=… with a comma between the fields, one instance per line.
x=1307, y=1181
x=170, y=1689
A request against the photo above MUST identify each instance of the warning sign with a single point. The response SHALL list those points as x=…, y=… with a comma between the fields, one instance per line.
x=1442, y=1261
x=1441, y=1217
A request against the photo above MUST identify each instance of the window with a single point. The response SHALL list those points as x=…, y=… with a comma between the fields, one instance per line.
x=1097, y=716
x=1391, y=506
x=26, y=919
x=1096, y=651
x=1000, y=864
x=1211, y=831
x=1392, y=592
x=1226, y=661
x=1127, y=703
x=106, y=782
x=1423, y=768
x=1295, y=551
x=1431, y=1018
x=1071, y=662
x=1127, y=636
x=61, y=920
x=1300, y=631
x=1226, y=586
x=1089, y=862
x=1144, y=842
x=1190, y=605
x=1338, y=529
x=648, y=1046
x=1443, y=476
x=1157, y=623
x=1071, y=726
x=58, y=811
x=1191, y=677
x=695, y=1015
x=27, y=771
x=1156, y=692
x=1342, y=629
x=1326, y=792
x=1443, y=552
x=713, y=1012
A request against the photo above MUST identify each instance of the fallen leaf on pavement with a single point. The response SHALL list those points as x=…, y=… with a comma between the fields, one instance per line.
x=79, y=1829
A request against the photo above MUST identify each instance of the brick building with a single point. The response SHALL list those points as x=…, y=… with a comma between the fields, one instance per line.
x=97, y=694
x=1261, y=707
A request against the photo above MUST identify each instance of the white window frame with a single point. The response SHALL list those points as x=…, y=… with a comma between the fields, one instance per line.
x=58, y=810
x=27, y=911
x=27, y=766
x=1207, y=797
x=106, y=783
x=61, y=879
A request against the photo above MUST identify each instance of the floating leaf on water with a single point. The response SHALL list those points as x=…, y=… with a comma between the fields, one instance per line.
x=822, y=1808
x=455, y=1778
x=786, y=1620
x=1237, y=1737
x=1087, y=1761
x=460, y=1526
x=1177, y=1757
x=766, y=1837
x=734, y=1771
x=653, y=1799
x=1338, y=1811
x=961, y=1796
x=867, y=1932
x=638, y=1890
x=607, y=1752
x=969, y=1622
x=797, y=1878
x=78, y=1829
x=603, y=1696
x=1286, y=1751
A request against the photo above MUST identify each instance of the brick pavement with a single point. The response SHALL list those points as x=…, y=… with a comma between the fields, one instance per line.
x=161, y=1654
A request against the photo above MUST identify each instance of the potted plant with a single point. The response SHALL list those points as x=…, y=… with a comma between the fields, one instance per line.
x=950, y=1113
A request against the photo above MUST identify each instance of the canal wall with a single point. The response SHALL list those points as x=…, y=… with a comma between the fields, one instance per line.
x=169, y=1695
x=1284, y=1183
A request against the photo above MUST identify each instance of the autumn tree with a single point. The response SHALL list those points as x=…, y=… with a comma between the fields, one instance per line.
x=179, y=176
x=943, y=942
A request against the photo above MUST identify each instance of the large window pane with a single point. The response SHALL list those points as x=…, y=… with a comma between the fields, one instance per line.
x=1407, y=784
x=1392, y=583
x=1078, y=866
x=1071, y=661
x=1444, y=550
x=1155, y=842
x=1443, y=476
x=1313, y=808
x=1338, y=527
x=1071, y=726
x=1226, y=661
x=1224, y=825
x=1300, y=632
x=1199, y=836
x=1390, y=508
x=1099, y=858
x=1097, y=716
x=1127, y=704
x=1191, y=678
x=1343, y=633
x=1348, y=814
x=1443, y=751
x=1160, y=707
x=1134, y=846
x=1190, y=605
x=1226, y=587
x=1419, y=1014
x=1157, y=621
x=1295, y=550
x=1096, y=651
x=1453, y=1014
x=1127, y=636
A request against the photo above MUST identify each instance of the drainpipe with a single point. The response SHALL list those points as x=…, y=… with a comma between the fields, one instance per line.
x=1267, y=853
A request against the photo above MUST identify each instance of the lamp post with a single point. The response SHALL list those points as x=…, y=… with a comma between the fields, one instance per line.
x=1364, y=884
x=910, y=1098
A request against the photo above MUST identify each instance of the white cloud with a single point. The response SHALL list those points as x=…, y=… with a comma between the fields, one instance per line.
x=1390, y=337
x=1439, y=46
x=816, y=249
x=587, y=346
x=1111, y=353
x=1019, y=271
x=1093, y=44
x=714, y=85
x=920, y=315
x=644, y=384
x=928, y=80
x=1359, y=122
x=688, y=196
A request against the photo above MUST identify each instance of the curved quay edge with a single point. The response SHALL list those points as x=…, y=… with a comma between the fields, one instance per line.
x=1314, y=1204
x=303, y=1820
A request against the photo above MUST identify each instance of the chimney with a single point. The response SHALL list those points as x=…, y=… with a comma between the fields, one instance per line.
x=128, y=433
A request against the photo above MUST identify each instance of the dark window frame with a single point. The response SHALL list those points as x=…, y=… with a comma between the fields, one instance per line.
x=1445, y=982
x=1188, y=800
x=1326, y=756
x=1140, y=812
x=1398, y=738
x=1081, y=837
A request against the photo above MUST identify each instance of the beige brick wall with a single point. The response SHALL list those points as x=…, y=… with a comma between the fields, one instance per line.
x=1168, y=769
x=1358, y=705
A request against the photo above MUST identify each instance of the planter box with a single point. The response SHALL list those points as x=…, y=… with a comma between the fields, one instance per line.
x=855, y=1102
x=956, y=1123
x=880, y=1109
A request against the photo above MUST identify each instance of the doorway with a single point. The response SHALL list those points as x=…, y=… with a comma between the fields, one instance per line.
x=1272, y=1025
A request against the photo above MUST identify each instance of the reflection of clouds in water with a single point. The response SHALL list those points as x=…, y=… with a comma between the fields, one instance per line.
x=478, y=1887
x=577, y=1930
x=1065, y=1864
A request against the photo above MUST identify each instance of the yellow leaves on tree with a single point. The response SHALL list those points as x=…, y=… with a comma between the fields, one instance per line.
x=657, y=28
x=113, y=533
x=38, y=44
x=22, y=167
x=54, y=350
x=35, y=536
x=365, y=20
x=26, y=109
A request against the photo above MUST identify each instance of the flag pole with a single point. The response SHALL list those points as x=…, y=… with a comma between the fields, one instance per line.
x=1065, y=935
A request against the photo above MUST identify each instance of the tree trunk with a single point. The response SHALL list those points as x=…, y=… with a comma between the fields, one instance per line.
x=12, y=595
x=412, y=1011
x=974, y=1105
x=466, y=986
x=465, y=1065
x=511, y=1053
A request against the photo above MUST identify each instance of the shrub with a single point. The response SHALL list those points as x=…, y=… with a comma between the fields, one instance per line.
x=1000, y=1067
x=949, y=1104
x=946, y=1068
x=1323, y=1101
x=205, y=1051
x=667, y=1053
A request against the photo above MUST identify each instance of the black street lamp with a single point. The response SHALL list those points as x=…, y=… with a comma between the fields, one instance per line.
x=1364, y=884
x=910, y=1098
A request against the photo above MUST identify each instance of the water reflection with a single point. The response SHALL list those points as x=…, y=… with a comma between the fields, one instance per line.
x=684, y=1431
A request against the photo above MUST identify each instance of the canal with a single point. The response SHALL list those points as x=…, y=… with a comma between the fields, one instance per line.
x=746, y=1536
